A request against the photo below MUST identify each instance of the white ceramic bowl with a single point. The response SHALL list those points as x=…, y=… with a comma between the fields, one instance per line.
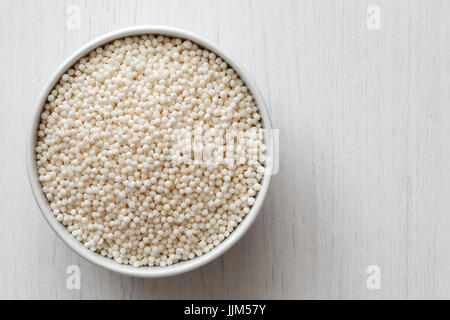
x=61, y=231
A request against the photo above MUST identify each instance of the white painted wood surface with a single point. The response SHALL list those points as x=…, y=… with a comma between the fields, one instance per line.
x=365, y=125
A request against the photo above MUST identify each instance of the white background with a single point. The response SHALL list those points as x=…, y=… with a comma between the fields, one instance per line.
x=365, y=124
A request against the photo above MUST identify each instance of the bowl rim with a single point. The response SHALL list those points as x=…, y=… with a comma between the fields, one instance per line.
x=63, y=233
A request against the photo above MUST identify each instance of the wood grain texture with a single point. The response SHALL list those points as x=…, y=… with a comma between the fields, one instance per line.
x=364, y=125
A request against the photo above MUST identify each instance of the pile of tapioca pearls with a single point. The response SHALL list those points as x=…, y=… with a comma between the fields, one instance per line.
x=103, y=151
